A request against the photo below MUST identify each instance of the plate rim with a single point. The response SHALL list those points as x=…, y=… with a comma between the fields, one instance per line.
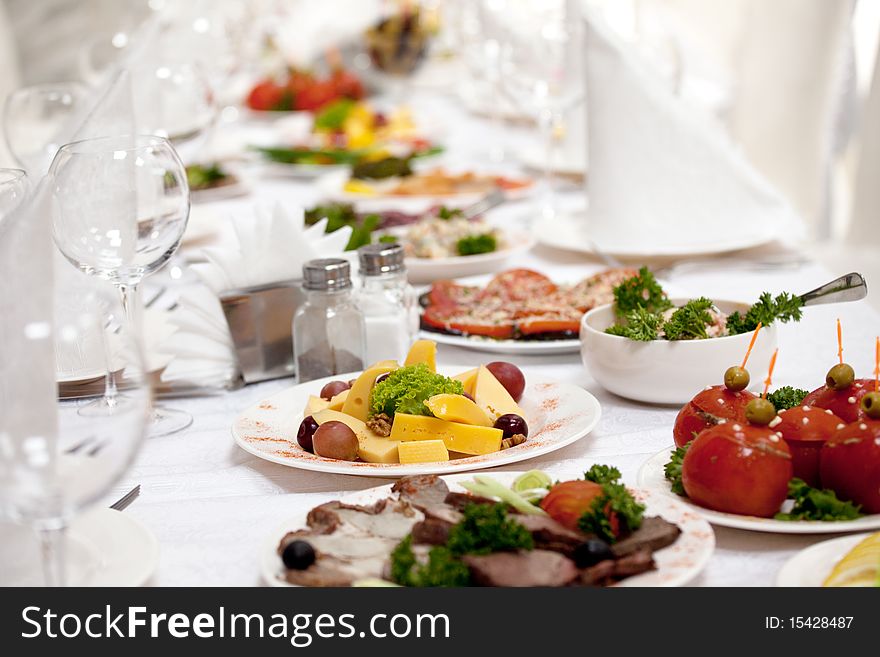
x=268, y=556
x=790, y=571
x=522, y=347
x=752, y=523
x=593, y=410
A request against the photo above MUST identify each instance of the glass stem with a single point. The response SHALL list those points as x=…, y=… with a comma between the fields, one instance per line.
x=128, y=292
x=53, y=543
x=110, y=387
x=548, y=121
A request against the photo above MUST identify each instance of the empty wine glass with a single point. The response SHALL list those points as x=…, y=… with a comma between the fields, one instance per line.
x=13, y=190
x=53, y=462
x=543, y=72
x=119, y=210
x=37, y=120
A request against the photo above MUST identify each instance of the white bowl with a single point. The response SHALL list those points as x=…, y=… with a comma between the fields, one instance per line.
x=666, y=371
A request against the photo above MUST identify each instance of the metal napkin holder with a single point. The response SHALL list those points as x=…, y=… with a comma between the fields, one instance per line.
x=260, y=321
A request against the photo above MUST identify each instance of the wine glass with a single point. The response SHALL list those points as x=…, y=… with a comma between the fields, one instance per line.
x=55, y=463
x=13, y=189
x=38, y=119
x=543, y=72
x=119, y=210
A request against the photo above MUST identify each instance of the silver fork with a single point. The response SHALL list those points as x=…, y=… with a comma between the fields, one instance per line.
x=491, y=200
x=123, y=502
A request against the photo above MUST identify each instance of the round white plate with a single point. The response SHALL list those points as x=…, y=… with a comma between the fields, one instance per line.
x=567, y=232
x=558, y=414
x=104, y=548
x=511, y=347
x=565, y=163
x=676, y=565
x=239, y=187
x=428, y=270
x=812, y=565
x=651, y=478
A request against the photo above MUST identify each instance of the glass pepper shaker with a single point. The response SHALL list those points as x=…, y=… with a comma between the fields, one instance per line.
x=328, y=329
x=387, y=302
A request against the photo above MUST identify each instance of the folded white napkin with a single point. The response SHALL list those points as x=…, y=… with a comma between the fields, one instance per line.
x=663, y=174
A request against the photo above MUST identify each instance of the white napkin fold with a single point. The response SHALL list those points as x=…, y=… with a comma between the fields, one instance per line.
x=663, y=174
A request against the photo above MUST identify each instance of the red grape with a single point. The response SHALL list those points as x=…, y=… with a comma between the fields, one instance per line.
x=510, y=376
x=333, y=388
x=512, y=424
x=307, y=429
x=335, y=440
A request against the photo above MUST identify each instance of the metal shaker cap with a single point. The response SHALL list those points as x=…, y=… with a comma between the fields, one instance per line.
x=380, y=258
x=327, y=274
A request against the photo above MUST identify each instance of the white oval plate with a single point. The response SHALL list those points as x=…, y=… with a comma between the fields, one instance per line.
x=651, y=478
x=558, y=414
x=676, y=565
x=566, y=233
x=104, y=548
x=812, y=565
x=512, y=347
x=428, y=270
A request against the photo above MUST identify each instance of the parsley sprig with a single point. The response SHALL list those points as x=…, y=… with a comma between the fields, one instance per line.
x=787, y=397
x=672, y=470
x=783, y=308
x=642, y=291
x=616, y=512
x=815, y=504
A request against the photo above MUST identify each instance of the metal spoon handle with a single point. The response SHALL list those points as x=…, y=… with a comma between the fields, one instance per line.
x=850, y=287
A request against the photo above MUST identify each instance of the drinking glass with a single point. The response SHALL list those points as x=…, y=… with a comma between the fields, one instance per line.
x=39, y=119
x=119, y=210
x=543, y=72
x=13, y=189
x=55, y=463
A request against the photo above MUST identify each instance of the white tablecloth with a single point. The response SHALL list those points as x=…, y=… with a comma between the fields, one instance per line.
x=213, y=506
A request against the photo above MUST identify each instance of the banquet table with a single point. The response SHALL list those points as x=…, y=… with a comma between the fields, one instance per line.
x=213, y=506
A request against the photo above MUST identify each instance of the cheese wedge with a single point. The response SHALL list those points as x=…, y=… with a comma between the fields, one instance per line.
x=357, y=403
x=457, y=408
x=493, y=397
x=337, y=401
x=371, y=448
x=424, y=352
x=464, y=438
x=315, y=404
x=423, y=451
x=467, y=380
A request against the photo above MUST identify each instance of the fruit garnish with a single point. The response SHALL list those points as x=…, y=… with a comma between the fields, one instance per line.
x=860, y=566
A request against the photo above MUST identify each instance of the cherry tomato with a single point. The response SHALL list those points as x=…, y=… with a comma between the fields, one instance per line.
x=738, y=468
x=347, y=84
x=843, y=403
x=707, y=409
x=568, y=501
x=315, y=96
x=849, y=464
x=268, y=96
x=299, y=81
x=805, y=429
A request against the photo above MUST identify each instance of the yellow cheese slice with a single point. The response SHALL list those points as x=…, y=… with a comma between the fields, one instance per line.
x=464, y=438
x=315, y=404
x=357, y=403
x=423, y=451
x=424, y=352
x=457, y=408
x=493, y=397
x=371, y=448
x=336, y=403
x=467, y=380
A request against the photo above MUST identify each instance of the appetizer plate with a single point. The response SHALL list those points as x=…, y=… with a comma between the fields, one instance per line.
x=565, y=163
x=238, y=187
x=511, y=347
x=812, y=565
x=651, y=478
x=676, y=565
x=558, y=414
x=567, y=232
x=428, y=270
x=104, y=548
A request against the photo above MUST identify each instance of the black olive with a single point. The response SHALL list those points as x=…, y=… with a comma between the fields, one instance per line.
x=298, y=555
x=591, y=552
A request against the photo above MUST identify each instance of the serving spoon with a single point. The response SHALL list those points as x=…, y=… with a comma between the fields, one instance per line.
x=849, y=287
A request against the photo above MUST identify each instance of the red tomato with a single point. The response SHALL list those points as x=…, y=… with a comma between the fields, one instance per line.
x=707, y=409
x=849, y=464
x=542, y=325
x=347, y=84
x=450, y=293
x=519, y=285
x=805, y=429
x=448, y=318
x=315, y=96
x=268, y=96
x=299, y=81
x=568, y=501
x=843, y=403
x=738, y=468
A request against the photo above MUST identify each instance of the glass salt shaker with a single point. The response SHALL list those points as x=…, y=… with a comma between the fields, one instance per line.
x=328, y=329
x=387, y=302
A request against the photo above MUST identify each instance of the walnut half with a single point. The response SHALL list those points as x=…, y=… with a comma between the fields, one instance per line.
x=513, y=441
x=380, y=424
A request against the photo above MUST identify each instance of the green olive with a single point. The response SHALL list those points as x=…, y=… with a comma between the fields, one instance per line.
x=840, y=376
x=760, y=411
x=736, y=378
x=871, y=405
